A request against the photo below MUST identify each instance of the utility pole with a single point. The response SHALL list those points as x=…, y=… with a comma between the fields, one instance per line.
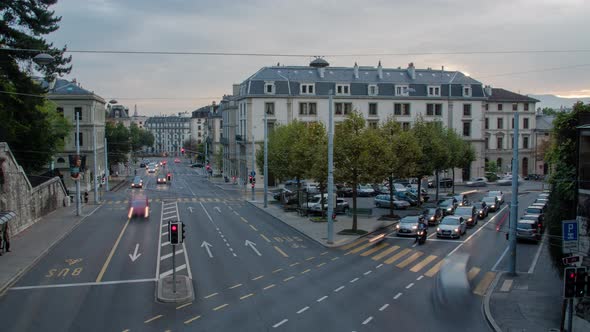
x=106, y=165
x=253, y=171
x=514, y=202
x=330, y=169
x=78, y=206
x=265, y=159
x=94, y=161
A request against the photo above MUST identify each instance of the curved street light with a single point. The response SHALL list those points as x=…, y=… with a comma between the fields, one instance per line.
x=43, y=59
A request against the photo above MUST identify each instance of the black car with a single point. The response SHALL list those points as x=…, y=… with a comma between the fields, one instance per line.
x=448, y=206
x=433, y=215
x=142, y=165
x=446, y=182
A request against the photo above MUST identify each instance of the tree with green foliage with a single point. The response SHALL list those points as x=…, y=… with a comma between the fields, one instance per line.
x=23, y=25
x=461, y=153
x=491, y=169
x=563, y=159
x=401, y=153
x=315, y=138
x=139, y=138
x=430, y=136
x=355, y=149
x=549, y=111
x=118, y=141
x=192, y=147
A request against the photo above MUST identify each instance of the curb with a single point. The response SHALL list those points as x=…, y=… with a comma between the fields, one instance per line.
x=486, y=303
x=20, y=273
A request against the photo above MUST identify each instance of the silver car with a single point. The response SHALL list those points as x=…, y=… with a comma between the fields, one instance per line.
x=383, y=201
x=477, y=182
x=528, y=230
x=498, y=194
x=408, y=226
x=452, y=227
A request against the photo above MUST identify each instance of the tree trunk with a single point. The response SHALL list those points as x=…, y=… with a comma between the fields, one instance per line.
x=391, y=195
x=419, y=191
x=322, y=188
x=437, y=185
x=453, y=170
x=354, y=220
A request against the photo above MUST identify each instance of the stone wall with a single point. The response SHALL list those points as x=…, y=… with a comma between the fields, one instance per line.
x=29, y=203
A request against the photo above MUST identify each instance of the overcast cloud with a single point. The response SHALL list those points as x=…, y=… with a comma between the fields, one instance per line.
x=315, y=27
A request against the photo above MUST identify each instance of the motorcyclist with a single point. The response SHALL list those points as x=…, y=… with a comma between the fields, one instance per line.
x=422, y=227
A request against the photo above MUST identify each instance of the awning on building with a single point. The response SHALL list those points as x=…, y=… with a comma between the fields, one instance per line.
x=5, y=216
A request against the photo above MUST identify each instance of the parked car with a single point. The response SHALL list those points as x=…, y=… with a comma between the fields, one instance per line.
x=451, y=226
x=406, y=196
x=507, y=180
x=536, y=218
x=448, y=207
x=383, y=201
x=499, y=195
x=425, y=195
x=446, y=182
x=365, y=190
x=138, y=207
x=492, y=203
x=469, y=214
x=433, y=215
x=544, y=195
x=399, y=187
x=316, y=204
x=343, y=190
x=142, y=165
x=408, y=226
x=543, y=201
x=137, y=182
x=477, y=182
x=539, y=210
x=528, y=230
x=403, y=182
x=197, y=165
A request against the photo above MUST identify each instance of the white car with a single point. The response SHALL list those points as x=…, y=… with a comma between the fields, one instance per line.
x=451, y=226
x=408, y=226
x=365, y=190
x=477, y=182
x=507, y=180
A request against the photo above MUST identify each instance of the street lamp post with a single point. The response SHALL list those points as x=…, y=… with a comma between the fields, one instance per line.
x=330, y=169
x=265, y=159
x=106, y=155
x=253, y=172
x=78, y=206
x=514, y=202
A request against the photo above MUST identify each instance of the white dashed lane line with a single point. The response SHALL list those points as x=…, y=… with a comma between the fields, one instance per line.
x=368, y=320
x=378, y=266
x=322, y=298
x=384, y=307
x=354, y=280
x=420, y=278
x=338, y=289
x=302, y=310
x=410, y=285
x=368, y=272
x=397, y=296
x=280, y=323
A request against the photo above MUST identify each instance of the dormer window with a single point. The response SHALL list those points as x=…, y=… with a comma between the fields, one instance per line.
x=342, y=89
x=433, y=91
x=269, y=88
x=307, y=89
x=373, y=90
x=466, y=90
x=402, y=90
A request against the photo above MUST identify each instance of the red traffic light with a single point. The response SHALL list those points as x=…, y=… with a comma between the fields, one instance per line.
x=174, y=228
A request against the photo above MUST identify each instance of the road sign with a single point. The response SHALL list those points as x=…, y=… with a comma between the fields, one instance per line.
x=572, y=260
x=570, y=235
x=253, y=173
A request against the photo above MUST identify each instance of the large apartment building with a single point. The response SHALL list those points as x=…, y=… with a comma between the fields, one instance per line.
x=170, y=132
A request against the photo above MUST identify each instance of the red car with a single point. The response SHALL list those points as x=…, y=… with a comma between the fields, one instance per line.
x=139, y=207
x=177, y=160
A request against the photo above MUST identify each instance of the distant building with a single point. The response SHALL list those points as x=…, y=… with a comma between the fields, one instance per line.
x=542, y=138
x=170, y=133
x=120, y=113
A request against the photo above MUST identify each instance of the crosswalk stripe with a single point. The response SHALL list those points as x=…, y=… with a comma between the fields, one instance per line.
x=194, y=199
x=397, y=256
x=353, y=244
x=355, y=250
x=423, y=263
x=409, y=260
x=118, y=202
x=375, y=249
x=485, y=282
x=385, y=253
x=434, y=270
x=473, y=273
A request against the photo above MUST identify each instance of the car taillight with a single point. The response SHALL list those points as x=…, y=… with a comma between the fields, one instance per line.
x=147, y=211
x=130, y=213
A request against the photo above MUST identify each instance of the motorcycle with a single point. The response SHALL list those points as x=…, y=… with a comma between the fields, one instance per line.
x=421, y=236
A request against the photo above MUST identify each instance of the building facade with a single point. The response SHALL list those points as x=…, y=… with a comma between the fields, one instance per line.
x=170, y=133
x=228, y=108
x=71, y=100
x=542, y=138
x=120, y=113
x=499, y=127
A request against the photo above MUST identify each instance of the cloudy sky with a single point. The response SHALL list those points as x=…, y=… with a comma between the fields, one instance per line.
x=165, y=84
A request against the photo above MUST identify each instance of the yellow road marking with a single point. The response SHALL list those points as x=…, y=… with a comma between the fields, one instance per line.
x=257, y=278
x=254, y=228
x=108, y=261
x=434, y=270
x=355, y=243
x=244, y=220
x=188, y=321
x=246, y=296
x=397, y=256
x=280, y=251
x=375, y=249
x=325, y=252
x=485, y=282
x=409, y=260
x=472, y=273
x=264, y=237
x=340, y=241
x=310, y=258
x=235, y=286
x=153, y=318
x=357, y=249
x=320, y=265
x=118, y=202
x=277, y=270
x=423, y=263
x=385, y=253
x=184, y=305
x=287, y=279
x=127, y=330
x=305, y=271
x=210, y=295
x=294, y=264
x=220, y=307
x=269, y=286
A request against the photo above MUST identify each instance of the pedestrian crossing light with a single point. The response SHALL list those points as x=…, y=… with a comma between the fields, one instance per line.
x=581, y=275
x=250, y=179
x=182, y=150
x=569, y=286
x=174, y=229
x=183, y=228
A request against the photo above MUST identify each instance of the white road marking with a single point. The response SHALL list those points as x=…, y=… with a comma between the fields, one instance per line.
x=101, y=283
x=165, y=244
x=169, y=272
x=536, y=259
x=165, y=233
x=477, y=231
x=170, y=254
x=368, y=320
x=322, y=298
x=494, y=268
x=420, y=277
x=384, y=307
x=410, y=285
x=171, y=217
x=368, y=272
x=353, y=280
x=397, y=296
x=378, y=266
x=302, y=310
x=280, y=323
x=338, y=289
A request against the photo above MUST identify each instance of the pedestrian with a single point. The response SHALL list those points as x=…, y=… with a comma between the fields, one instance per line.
x=86, y=197
x=6, y=237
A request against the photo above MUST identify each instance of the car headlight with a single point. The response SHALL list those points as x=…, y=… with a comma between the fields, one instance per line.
x=397, y=226
x=480, y=211
x=432, y=218
x=414, y=227
x=450, y=209
x=470, y=219
x=456, y=230
x=493, y=206
x=438, y=229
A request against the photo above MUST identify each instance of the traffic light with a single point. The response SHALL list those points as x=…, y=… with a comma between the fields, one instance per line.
x=581, y=275
x=250, y=179
x=253, y=179
x=569, y=287
x=173, y=231
x=182, y=150
x=183, y=232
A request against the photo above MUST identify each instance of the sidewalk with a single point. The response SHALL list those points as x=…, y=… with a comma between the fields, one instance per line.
x=30, y=245
x=528, y=302
x=317, y=231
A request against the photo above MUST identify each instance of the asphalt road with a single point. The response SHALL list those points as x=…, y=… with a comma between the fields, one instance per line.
x=250, y=272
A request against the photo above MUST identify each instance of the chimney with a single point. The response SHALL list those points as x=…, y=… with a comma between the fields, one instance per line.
x=236, y=89
x=135, y=110
x=356, y=71
x=488, y=90
x=380, y=70
x=411, y=70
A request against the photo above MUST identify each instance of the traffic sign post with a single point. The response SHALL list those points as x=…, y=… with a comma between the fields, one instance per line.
x=570, y=235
